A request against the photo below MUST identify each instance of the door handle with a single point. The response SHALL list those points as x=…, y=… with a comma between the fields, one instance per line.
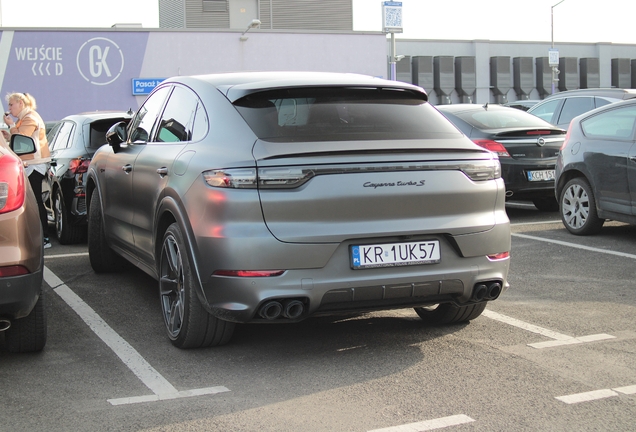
x=163, y=171
x=127, y=168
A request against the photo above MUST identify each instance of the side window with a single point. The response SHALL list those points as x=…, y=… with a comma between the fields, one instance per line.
x=177, y=121
x=575, y=106
x=201, y=123
x=63, y=139
x=616, y=124
x=545, y=111
x=50, y=133
x=601, y=102
x=141, y=125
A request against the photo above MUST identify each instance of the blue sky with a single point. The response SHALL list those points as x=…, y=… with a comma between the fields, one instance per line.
x=522, y=20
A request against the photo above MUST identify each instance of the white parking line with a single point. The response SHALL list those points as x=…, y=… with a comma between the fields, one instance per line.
x=536, y=223
x=596, y=394
x=152, y=379
x=429, y=424
x=576, y=246
x=559, y=338
x=66, y=255
x=587, y=396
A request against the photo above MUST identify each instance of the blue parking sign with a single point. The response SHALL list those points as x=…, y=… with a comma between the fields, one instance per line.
x=143, y=86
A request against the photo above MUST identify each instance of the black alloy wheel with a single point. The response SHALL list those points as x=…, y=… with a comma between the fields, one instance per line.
x=448, y=313
x=103, y=259
x=66, y=232
x=187, y=322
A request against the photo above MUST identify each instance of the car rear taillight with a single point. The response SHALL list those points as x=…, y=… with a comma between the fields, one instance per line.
x=248, y=273
x=12, y=184
x=237, y=178
x=79, y=165
x=565, y=141
x=499, y=256
x=493, y=146
x=16, y=270
x=267, y=178
x=538, y=132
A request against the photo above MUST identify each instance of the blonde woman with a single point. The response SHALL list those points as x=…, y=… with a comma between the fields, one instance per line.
x=28, y=122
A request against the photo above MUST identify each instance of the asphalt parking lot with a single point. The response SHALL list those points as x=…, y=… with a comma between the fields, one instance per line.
x=556, y=352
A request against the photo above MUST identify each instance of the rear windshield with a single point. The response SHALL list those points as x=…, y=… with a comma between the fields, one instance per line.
x=342, y=114
x=498, y=119
x=98, y=131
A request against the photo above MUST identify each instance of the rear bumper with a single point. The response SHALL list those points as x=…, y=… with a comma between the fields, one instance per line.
x=19, y=294
x=336, y=287
x=515, y=177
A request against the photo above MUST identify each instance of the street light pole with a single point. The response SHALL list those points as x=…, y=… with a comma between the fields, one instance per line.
x=555, y=71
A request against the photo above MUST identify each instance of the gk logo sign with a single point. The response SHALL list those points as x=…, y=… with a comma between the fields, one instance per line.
x=100, y=61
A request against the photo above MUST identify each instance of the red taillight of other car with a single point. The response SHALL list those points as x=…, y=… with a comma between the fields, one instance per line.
x=11, y=271
x=79, y=165
x=493, y=146
x=12, y=183
x=248, y=273
x=565, y=141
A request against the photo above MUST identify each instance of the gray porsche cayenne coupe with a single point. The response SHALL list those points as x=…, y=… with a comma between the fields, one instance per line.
x=275, y=196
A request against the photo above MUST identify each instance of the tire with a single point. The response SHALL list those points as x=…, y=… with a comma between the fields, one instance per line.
x=448, y=313
x=67, y=233
x=578, y=208
x=188, y=324
x=103, y=259
x=28, y=334
x=546, y=204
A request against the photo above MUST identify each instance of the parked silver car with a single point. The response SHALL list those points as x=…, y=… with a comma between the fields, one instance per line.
x=560, y=108
x=272, y=197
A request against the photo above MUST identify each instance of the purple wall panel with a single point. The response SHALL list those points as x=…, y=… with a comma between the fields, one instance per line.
x=71, y=72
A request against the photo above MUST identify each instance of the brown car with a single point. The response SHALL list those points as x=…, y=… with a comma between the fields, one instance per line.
x=22, y=315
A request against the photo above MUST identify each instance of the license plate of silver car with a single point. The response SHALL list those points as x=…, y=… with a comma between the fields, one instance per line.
x=395, y=254
x=543, y=175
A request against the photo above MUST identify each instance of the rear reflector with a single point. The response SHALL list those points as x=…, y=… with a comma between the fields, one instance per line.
x=16, y=270
x=248, y=273
x=499, y=256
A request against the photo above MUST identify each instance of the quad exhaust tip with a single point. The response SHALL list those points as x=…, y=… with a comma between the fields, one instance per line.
x=486, y=291
x=285, y=308
x=4, y=324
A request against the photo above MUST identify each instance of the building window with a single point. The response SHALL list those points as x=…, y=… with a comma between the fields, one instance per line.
x=214, y=5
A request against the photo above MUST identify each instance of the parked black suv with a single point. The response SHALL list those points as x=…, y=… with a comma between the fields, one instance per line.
x=72, y=142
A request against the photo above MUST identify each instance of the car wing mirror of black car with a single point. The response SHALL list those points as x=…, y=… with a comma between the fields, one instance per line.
x=116, y=135
x=139, y=135
x=22, y=144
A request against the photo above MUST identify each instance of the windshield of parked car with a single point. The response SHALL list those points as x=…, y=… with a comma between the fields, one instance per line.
x=501, y=119
x=342, y=114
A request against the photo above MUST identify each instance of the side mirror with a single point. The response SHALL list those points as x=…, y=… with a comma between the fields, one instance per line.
x=116, y=135
x=22, y=144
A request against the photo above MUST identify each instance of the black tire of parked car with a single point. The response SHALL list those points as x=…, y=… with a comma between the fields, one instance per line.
x=67, y=233
x=103, y=259
x=546, y=204
x=578, y=208
x=28, y=334
x=448, y=313
x=187, y=322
